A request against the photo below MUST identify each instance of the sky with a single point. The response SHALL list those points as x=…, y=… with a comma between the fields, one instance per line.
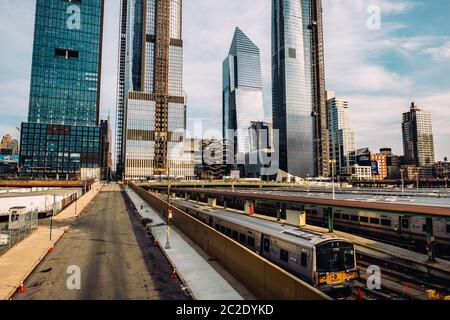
x=379, y=65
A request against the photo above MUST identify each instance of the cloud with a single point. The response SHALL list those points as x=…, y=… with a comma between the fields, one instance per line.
x=440, y=53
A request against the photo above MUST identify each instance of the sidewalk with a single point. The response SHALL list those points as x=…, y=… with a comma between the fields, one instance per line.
x=203, y=281
x=19, y=262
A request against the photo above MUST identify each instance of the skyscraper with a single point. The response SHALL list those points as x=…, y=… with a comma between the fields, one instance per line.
x=298, y=87
x=418, y=141
x=151, y=102
x=62, y=135
x=242, y=93
x=342, y=138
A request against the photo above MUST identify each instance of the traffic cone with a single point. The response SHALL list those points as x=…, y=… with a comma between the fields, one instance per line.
x=360, y=295
x=21, y=288
x=174, y=274
x=51, y=249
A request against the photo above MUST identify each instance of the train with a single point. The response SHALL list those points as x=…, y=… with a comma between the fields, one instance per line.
x=323, y=261
x=396, y=229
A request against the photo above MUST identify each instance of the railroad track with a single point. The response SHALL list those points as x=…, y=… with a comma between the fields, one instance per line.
x=399, y=282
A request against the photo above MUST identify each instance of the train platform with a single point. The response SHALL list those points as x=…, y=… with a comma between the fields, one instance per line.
x=203, y=281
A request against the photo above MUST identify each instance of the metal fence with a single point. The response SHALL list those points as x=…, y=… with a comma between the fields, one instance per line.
x=17, y=228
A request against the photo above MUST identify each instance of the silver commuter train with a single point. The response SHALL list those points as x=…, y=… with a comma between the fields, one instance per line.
x=323, y=261
x=410, y=229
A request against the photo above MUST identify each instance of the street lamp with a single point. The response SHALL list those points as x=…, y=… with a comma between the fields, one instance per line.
x=169, y=210
x=403, y=181
x=333, y=169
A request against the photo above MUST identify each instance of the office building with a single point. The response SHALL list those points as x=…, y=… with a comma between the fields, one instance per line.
x=105, y=150
x=151, y=109
x=342, y=138
x=298, y=87
x=9, y=146
x=261, y=159
x=392, y=162
x=418, y=141
x=242, y=93
x=61, y=138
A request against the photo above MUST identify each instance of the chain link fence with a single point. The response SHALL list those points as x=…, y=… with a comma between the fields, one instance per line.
x=16, y=227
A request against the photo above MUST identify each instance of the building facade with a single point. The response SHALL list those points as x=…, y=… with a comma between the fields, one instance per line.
x=298, y=87
x=392, y=162
x=262, y=156
x=342, y=138
x=379, y=166
x=105, y=150
x=61, y=138
x=418, y=141
x=9, y=146
x=151, y=108
x=241, y=93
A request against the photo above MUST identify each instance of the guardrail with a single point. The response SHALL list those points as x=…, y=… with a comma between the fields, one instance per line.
x=263, y=278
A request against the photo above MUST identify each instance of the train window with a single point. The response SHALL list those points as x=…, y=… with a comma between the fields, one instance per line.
x=364, y=219
x=251, y=242
x=235, y=235
x=222, y=229
x=242, y=238
x=345, y=217
x=405, y=223
x=266, y=245
x=386, y=222
x=354, y=218
x=304, y=260
x=374, y=220
x=229, y=232
x=217, y=227
x=284, y=255
x=337, y=216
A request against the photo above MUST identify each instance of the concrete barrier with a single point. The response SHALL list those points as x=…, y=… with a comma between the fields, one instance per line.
x=263, y=278
x=77, y=207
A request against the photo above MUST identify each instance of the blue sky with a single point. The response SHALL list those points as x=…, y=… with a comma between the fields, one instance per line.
x=378, y=71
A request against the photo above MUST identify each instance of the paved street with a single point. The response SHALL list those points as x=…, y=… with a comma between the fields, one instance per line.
x=116, y=259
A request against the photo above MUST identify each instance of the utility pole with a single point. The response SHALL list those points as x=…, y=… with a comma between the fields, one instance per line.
x=333, y=169
x=403, y=181
x=169, y=210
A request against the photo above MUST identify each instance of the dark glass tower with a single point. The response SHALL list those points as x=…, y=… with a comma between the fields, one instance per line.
x=61, y=138
x=298, y=80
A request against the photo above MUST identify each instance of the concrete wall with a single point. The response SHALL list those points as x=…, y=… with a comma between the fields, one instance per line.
x=264, y=279
x=79, y=205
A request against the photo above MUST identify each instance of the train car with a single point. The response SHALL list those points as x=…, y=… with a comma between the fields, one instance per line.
x=323, y=261
x=410, y=230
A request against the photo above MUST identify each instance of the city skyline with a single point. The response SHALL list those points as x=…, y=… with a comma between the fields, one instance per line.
x=374, y=79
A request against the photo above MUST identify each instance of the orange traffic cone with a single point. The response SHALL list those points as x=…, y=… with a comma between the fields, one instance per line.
x=21, y=288
x=360, y=295
x=174, y=274
x=51, y=249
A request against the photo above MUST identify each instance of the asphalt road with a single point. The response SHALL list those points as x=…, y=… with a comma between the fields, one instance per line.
x=116, y=259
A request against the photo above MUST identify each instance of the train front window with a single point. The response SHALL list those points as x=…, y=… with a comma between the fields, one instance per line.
x=335, y=257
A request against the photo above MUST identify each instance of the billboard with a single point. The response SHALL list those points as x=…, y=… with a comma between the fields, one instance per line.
x=9, y=159
x=375, y=167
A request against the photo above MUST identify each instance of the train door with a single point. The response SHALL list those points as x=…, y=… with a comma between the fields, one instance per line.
x=265, y=247
x=405, y=226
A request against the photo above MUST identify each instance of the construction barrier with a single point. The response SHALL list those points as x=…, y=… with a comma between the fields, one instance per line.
x=263, y=278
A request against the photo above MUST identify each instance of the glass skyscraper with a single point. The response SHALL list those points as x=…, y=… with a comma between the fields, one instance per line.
x=298, y=80
x=242, y=93
x=62, y=136
x=151, y=109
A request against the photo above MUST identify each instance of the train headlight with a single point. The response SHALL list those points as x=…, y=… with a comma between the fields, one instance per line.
x=322, y=279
